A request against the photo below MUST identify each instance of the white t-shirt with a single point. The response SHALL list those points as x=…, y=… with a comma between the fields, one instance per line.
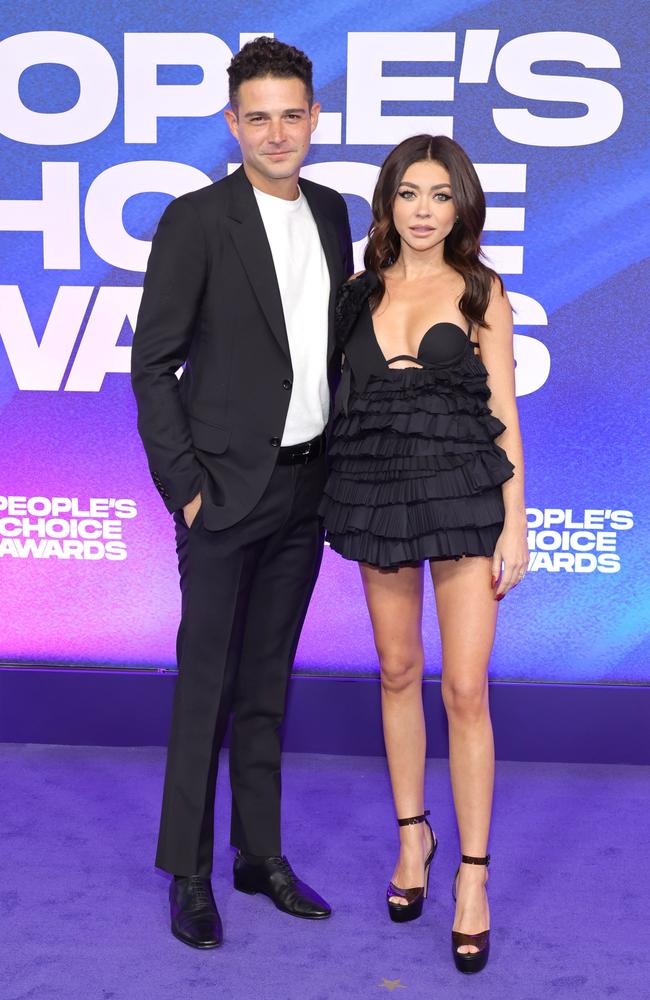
x=303, y=278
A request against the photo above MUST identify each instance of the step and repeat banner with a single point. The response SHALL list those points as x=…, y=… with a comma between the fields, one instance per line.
x=107, y=111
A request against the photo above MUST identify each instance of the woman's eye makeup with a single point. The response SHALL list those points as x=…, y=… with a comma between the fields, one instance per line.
x=408, y=195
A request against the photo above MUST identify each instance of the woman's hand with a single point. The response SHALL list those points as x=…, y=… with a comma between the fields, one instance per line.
x=510, y=560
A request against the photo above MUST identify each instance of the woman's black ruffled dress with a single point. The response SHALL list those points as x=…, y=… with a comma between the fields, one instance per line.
x=415, y=471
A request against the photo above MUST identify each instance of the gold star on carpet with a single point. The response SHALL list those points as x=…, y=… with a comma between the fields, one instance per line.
x=392, y=984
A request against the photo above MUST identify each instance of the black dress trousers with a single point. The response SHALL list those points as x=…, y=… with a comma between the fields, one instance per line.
x=245, y=592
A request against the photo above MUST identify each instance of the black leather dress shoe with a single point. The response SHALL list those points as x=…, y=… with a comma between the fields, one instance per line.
x=195, y=918
x=275, y=878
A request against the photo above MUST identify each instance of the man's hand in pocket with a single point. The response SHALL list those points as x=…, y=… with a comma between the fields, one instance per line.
x=191, y=509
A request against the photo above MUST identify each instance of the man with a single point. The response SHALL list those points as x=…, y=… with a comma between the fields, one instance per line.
x=240, y=289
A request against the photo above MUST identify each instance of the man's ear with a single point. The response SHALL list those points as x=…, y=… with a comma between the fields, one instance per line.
x=314, y=113
x=231, y=119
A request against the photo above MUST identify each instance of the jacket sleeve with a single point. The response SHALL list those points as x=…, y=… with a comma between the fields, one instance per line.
x=173, y=289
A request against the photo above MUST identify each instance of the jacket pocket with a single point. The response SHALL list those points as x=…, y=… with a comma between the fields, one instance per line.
x=209, y=437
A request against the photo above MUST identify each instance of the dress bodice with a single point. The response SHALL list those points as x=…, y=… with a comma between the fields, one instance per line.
x=442, y=345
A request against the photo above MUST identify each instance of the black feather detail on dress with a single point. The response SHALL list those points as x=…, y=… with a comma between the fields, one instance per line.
x=350, y=299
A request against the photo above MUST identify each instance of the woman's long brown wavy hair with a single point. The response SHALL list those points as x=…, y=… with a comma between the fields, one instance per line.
x=462, y=249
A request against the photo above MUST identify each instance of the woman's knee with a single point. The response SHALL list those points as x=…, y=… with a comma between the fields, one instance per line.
x=465, y=699
x=400, y=669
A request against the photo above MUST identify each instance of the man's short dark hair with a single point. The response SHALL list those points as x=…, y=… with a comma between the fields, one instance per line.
x=268, y=57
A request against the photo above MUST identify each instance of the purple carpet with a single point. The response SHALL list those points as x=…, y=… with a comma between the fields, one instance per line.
x=84, y=914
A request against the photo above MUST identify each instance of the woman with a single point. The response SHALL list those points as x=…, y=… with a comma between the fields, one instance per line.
x=417, y=476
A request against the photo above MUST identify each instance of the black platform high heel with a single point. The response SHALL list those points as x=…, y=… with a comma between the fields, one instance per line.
x=471, y=961
x=412, y=909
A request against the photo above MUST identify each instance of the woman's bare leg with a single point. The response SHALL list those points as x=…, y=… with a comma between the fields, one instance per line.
x=467, y=613
x=394, y=601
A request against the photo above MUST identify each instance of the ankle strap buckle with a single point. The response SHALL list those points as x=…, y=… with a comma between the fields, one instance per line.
x=413, y=819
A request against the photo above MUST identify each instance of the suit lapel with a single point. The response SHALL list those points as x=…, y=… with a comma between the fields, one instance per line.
x=330, y=245
x=252, y=245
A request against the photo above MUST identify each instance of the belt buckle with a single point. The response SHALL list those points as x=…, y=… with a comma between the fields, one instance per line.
x=304, y=455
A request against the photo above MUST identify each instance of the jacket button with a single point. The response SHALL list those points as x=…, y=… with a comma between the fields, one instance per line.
x=286, y=384
x=275, y=442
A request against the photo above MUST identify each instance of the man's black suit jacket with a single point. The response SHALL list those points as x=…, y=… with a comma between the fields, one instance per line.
x=211, y=302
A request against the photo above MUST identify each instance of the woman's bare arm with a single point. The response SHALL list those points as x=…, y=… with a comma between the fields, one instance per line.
x=496, y=343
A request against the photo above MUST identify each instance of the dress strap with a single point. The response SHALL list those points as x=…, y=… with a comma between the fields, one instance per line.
x=472, y=343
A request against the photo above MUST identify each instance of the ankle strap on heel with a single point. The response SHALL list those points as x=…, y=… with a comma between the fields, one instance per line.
x=468, y=860
x=413, y=819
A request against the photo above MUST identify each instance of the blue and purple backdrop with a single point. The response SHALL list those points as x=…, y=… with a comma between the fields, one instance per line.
x=107, y=111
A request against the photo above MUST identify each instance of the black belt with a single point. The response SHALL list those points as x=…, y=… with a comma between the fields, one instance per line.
x=302, y=454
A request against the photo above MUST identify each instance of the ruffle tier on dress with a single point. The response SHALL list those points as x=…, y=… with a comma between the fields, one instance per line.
x=415, y=471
